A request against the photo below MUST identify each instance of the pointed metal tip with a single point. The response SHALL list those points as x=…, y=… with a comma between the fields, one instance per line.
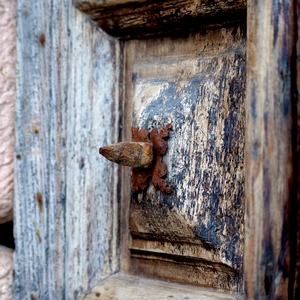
x=131, y=154
x=103, y=150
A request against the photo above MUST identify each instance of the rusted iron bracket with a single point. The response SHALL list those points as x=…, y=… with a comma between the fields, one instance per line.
x=144, y=155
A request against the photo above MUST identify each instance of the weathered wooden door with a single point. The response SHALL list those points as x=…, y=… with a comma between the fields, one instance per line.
x=166, y=62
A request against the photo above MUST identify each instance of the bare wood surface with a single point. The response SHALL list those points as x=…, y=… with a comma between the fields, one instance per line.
x=126, y=287
x=138, y=19
x=197, y=84
x=66, y=208
x=270, y=143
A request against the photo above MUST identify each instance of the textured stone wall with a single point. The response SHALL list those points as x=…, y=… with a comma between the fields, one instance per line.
x=6, y=273
x=7, y=95
x=7, y=99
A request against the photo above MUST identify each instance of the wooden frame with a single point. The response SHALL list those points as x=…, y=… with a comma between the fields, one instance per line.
x=271, y=145
x=66, y=66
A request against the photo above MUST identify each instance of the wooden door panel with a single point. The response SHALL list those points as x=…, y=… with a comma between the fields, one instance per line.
x=197, y=84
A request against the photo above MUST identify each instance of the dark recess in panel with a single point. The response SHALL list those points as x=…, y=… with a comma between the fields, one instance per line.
x=7, y=235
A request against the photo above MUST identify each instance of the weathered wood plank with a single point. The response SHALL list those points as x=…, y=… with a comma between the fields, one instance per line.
x=270, y=145
x=91, y=188
x=126, y=287
x=140, y=18
x=194, y=235
x=66, y=208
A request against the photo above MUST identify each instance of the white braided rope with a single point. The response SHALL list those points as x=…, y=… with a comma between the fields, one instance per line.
x=7, y=98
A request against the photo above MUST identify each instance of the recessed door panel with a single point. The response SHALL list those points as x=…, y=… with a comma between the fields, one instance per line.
x=197, y=84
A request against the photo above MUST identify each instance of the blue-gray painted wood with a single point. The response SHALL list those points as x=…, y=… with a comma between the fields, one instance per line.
x=198, y=85
x=67, y=105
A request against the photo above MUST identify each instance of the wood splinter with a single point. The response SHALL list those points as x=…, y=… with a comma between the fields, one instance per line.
x=144, y=155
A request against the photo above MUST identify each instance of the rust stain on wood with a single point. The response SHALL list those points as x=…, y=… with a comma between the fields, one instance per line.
x=39, y=200
x=33, y=296
x=35, y=129
x=38, y=234
x=42, y=39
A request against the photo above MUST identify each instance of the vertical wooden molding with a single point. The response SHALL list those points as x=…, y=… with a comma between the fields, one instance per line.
x=270, y=105
x=297, y=262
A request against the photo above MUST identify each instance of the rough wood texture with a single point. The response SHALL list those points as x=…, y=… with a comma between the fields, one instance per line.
x=66, y=207
x=270, y=143
x=126, y=287
x=140, y=18
x=197, y=84
x=7, y=101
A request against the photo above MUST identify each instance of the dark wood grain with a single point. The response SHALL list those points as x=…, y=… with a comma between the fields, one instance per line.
x=270, y=144
x=140, y=18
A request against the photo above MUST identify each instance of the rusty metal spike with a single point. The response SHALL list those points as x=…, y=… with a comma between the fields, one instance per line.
x=144, y=155
x=131, y=154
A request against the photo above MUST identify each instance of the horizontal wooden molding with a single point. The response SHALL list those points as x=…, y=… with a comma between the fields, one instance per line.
x=121, y=286
x=140, y=18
